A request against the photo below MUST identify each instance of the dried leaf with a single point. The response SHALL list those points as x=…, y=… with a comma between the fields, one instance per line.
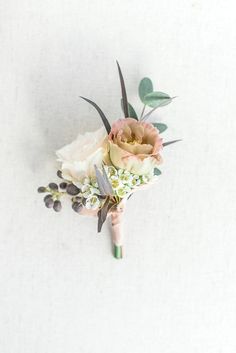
x=104, y=185
x=107, y=181
x=102, y=214
x=102, y=115
x=123, y=91
x=170, y=142
x=132, y=113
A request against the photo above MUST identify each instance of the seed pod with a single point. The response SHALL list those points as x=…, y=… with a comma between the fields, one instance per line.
x=47, y=197
x=59, y=174
x=77, y=199
x=53, y=186
x=77, y=206
x=71, y=189
x=63, y=185
x=49, y=203
x=84, y=201
x=57, y=206
x=42, y=189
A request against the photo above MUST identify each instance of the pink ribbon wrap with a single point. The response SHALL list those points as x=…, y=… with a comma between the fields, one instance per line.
x=116, y=222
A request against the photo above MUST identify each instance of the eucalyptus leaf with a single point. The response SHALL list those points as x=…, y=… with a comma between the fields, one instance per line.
x=131, y=111
x=157, y=171
x=161, y=127
x=145, y=87
x=170, y=142
x=157, y=99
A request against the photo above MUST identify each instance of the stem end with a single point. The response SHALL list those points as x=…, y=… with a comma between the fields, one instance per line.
x=118, y=251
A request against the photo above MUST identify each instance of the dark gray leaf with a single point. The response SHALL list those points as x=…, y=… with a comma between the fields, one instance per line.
x=102, y=115
x=132, y=113
x=123, y=91
x=102, y=214
x=170, y=142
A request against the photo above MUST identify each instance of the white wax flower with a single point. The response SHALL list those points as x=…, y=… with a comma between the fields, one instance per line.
x=92, y=202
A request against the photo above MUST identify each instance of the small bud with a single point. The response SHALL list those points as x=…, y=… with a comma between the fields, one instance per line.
x=53, y=186
x=71, y=189
x=63, y=185
x=42, y=189
x=47, y=197
x=77, y=199
x=57, y=206
x=49, y=203
x=77, y=206
x=59, y=174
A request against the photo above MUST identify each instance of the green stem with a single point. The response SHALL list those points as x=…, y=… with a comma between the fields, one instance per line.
x=144, y=107
x=118, y=252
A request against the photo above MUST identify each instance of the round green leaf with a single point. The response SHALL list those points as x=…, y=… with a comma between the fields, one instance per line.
x=157, y=99
x=157, y=171
x=145, y=87
x=161, y=127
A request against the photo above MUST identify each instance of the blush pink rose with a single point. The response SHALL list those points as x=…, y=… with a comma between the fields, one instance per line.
x=134, y=146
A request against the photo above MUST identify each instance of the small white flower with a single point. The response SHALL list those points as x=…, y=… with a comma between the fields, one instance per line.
x=126, y=178
x=116, y=183
x=94, y=183
x=86, y=181
x=123, y=191
x=134, y=182
x=145, y=179
x=120, y=171
x=86, y=190
x=111, y=171
x=92, y=202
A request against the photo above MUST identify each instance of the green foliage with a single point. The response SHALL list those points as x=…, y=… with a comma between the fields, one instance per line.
x=145, y=87
x=161, y=127
x=157, y=99
x=157, y=171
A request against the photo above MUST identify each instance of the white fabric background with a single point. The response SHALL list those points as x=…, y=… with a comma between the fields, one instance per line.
x=60, y=288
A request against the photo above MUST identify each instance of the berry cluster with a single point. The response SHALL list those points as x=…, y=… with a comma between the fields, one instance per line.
x=87, y=193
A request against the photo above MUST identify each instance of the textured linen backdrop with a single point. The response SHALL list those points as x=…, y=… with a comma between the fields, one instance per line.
x=60, y=288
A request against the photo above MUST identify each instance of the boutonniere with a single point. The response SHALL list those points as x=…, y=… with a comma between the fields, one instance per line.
x=101, y=170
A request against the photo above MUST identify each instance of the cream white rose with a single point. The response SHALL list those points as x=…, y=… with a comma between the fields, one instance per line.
x=79, y=157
